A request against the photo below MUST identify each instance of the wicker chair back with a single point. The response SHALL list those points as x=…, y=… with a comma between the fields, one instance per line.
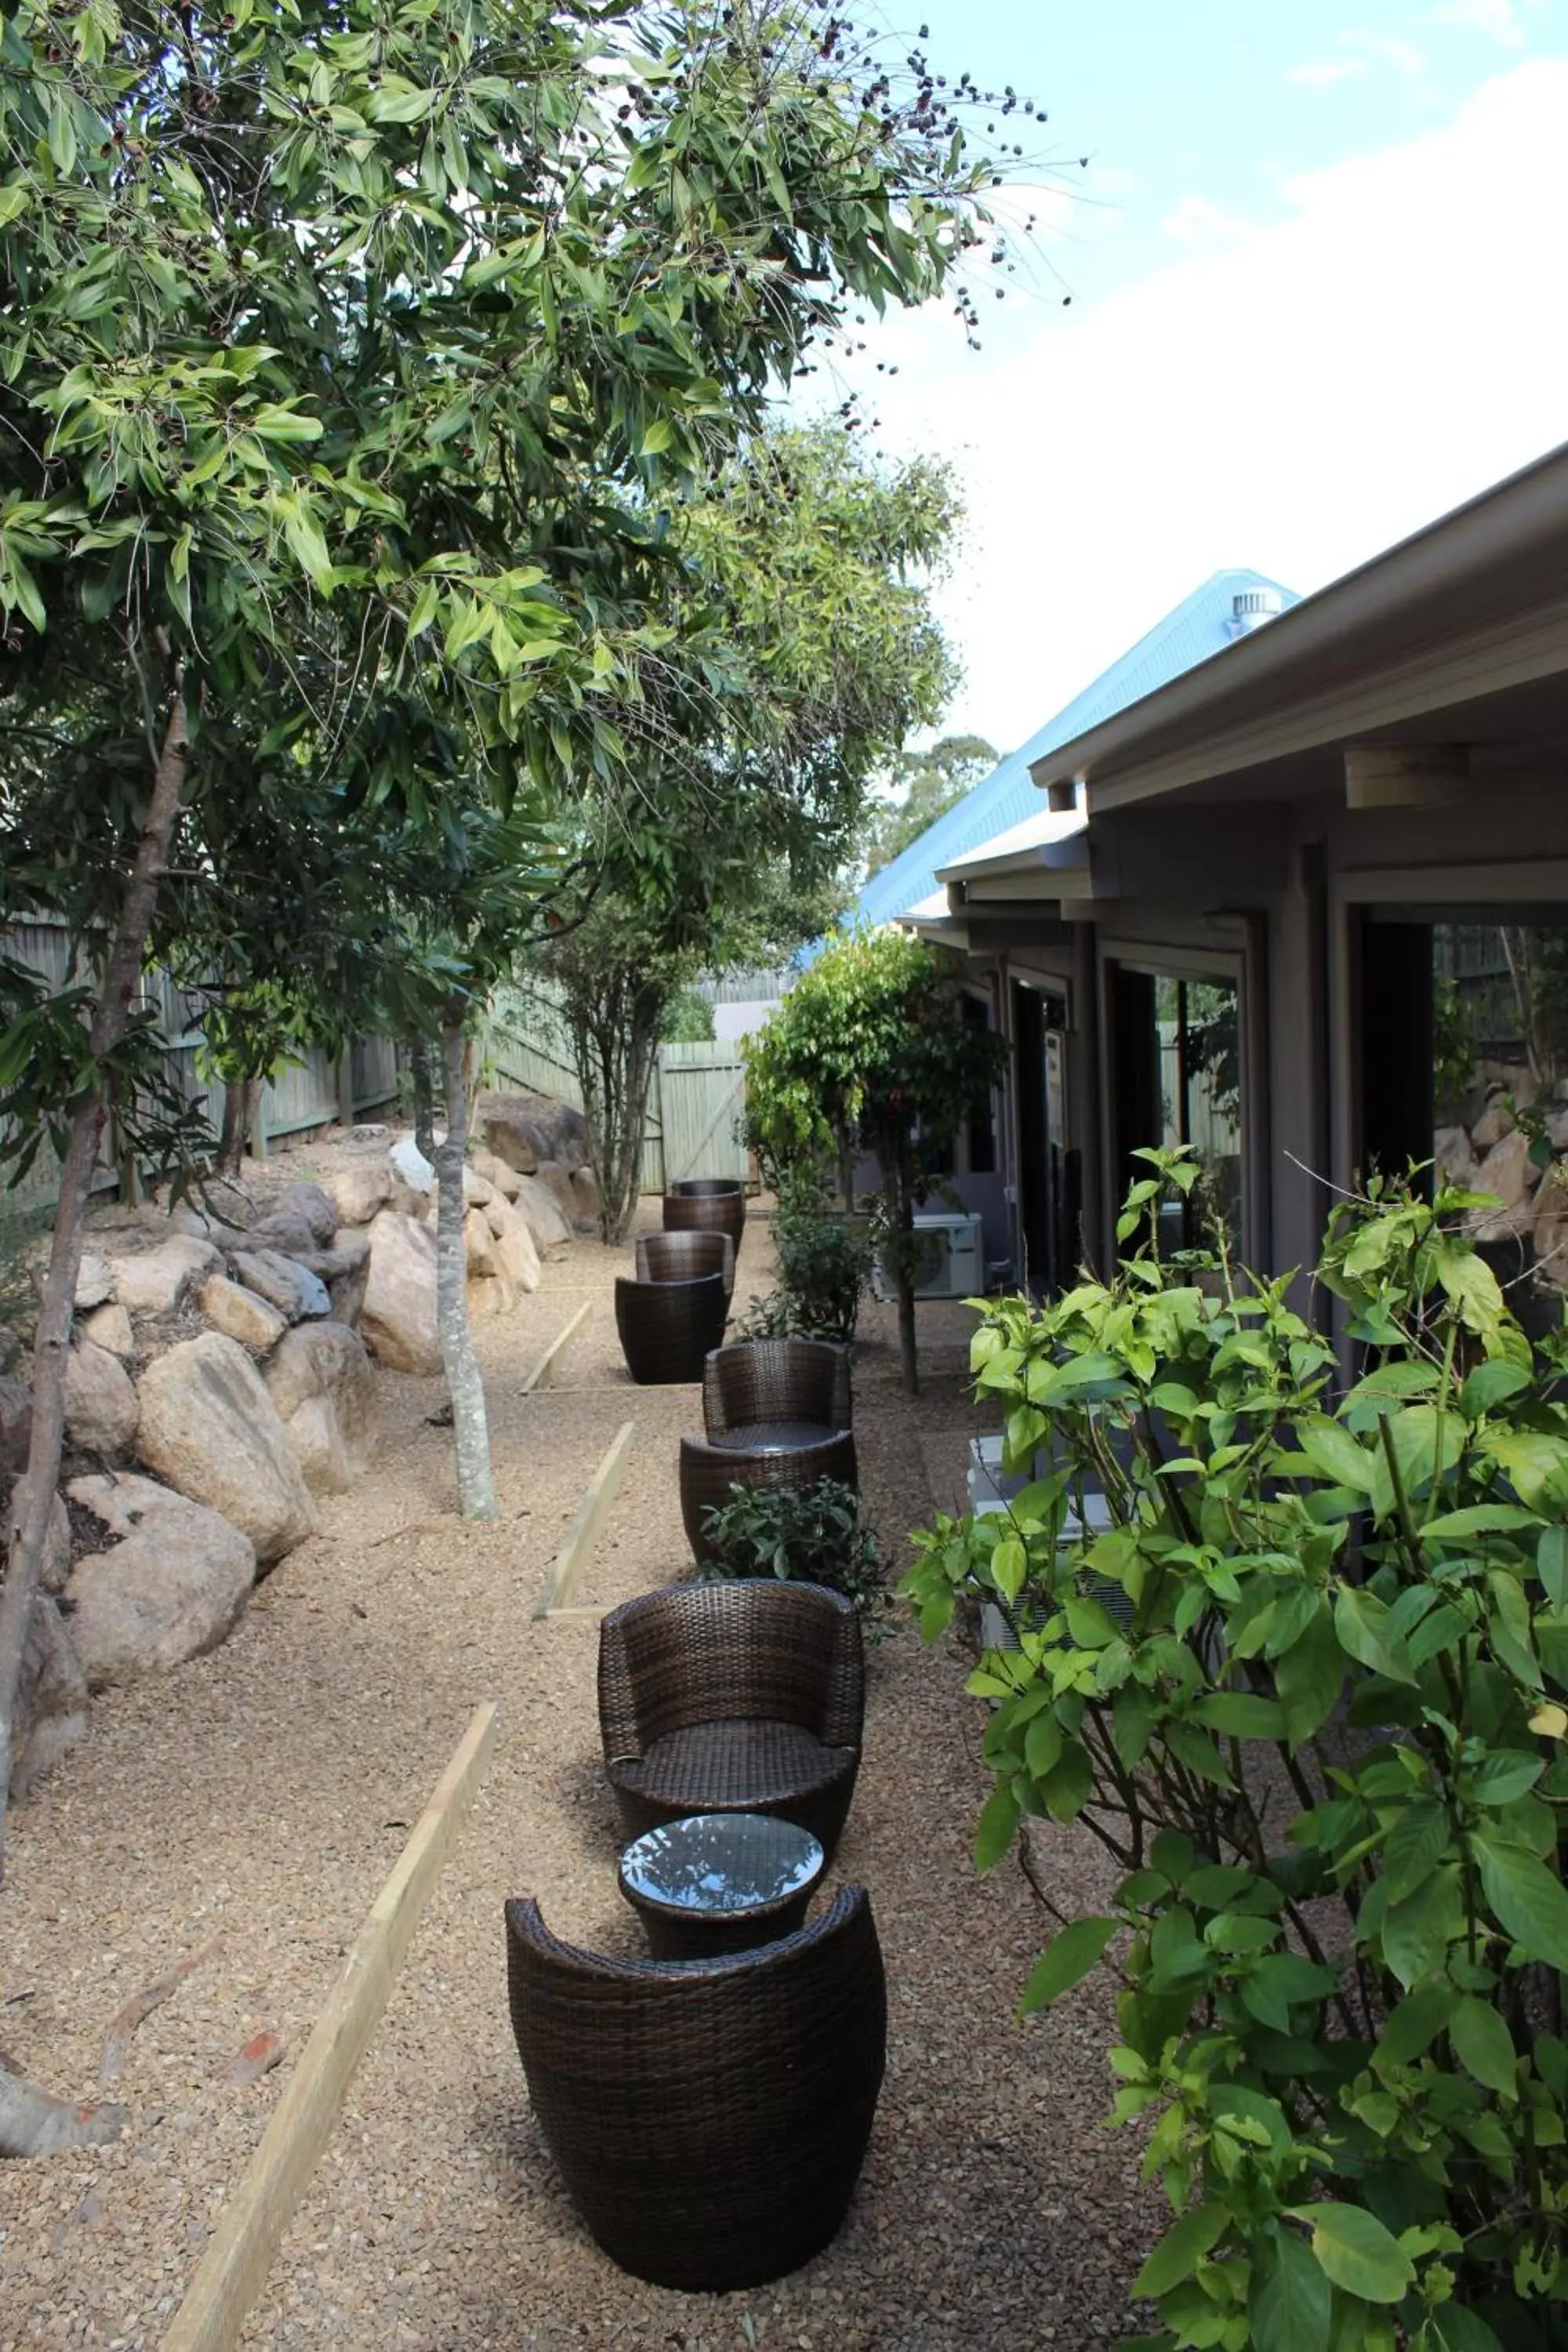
x=667, y=1328
x=709, y=2117
x=681, y=1258
x=797, y=1381
x=696, y=1654
x=706, y=1205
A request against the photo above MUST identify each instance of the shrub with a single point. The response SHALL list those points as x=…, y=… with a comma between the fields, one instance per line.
x=822, y=1264
x=1326, y=1751
x=813, y=1536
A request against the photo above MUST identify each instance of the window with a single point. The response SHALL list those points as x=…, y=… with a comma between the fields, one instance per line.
x=982, y=1131
x=1176, y=1073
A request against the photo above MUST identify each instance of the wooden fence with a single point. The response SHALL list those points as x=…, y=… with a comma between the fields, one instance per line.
x=695, y=1107
x=310, y=1093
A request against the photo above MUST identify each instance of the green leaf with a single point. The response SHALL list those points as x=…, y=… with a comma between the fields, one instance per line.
x=14, y=201
x=1452, y=2328
x=998, y=1821
x=1290, y=2300
x=1335, y=1454
x=1068, y=1958
x=1356, y=2252
x=1479, y=1520
x=1309, y=1676
x=1414, y=2024
x=1181, y=2249
x=1241, y=1714
x=275, y=424
x=1361, y=1621
x=1489, y=1385
x=1483, y=2044
x=1415, y=1843
x=1526, y=1897
x=1552, y=1564
x=1498, y=1780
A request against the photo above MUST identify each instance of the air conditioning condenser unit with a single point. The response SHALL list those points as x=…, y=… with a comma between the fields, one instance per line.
x=950, y=1259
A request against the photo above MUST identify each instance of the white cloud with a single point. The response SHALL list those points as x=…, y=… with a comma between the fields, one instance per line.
x=1359, y=51
x=1497, y=18
x=1195, y=222
x=1327, y=72
x=1296, y=398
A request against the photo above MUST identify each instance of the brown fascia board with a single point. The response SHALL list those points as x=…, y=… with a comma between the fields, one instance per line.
x=1475, y=601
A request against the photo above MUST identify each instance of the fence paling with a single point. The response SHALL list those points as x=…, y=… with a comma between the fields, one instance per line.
x=296, y=1097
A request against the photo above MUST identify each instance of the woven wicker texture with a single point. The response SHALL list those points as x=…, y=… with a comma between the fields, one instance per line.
x=667, y=1328
x=681, y=1258
x=709, y=2117
x=745, y=1698
x=778, y=1381
x=706, y=1204
x=708, y=1472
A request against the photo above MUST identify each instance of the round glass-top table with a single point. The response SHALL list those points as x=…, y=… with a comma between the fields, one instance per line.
x=719, y=1883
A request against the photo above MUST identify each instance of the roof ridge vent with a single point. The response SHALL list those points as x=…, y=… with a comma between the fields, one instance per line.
x=1251, y=608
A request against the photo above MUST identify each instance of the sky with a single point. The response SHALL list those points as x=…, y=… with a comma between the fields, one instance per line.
x=1315, y=264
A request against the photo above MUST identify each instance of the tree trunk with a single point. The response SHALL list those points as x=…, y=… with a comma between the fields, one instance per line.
x=471, y=1427
x=241, y=1109
x=424, y=1097
x=614, y=1046
x=901, y=1249
x=121, y=979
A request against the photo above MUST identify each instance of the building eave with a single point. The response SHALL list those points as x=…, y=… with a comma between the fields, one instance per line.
x=1471, y=605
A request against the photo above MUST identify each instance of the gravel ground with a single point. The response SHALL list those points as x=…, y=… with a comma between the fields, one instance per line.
x=260, y=1796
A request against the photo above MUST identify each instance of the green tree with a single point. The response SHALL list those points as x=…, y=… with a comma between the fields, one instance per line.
x=808, y=568
x=345, y=355
x=870, y=1052
x=928, y=783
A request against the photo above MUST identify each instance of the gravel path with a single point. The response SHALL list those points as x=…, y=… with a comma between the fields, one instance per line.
x=258, y=1797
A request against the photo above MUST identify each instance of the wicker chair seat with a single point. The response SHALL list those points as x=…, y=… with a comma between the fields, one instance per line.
x=709, y=2116
x=774, y=1437
x=725, y=1697
x=746, y=1766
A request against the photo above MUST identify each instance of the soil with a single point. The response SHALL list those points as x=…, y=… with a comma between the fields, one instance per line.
x=258, y=1797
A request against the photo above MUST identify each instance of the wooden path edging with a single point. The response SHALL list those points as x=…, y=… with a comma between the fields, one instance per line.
x=232, y=2271
x=583, y=1533
x=543, y=1373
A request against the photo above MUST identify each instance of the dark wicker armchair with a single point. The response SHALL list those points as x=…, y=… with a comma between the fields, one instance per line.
x=776, y=1383
x=680, y=1257
x=706, y=1204
x=745, y=1698
x=709, y=2117
x=777, y=1413
x=667, y=1329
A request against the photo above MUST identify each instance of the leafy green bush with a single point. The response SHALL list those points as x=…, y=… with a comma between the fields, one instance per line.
x=811, y=1536
x=823, y=1262
x=687, y=1019
x=1326, y=1751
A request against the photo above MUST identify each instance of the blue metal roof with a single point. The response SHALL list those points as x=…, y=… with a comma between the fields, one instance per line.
x=1200, y=627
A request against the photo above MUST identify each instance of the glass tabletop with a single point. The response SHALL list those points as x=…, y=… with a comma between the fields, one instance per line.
x=722, y=1862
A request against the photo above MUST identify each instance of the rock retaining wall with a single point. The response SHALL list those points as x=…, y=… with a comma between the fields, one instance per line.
x=223, y=1376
